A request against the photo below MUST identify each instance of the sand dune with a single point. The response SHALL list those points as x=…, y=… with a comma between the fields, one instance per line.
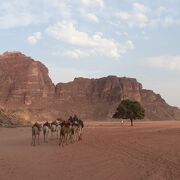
x=109, y=151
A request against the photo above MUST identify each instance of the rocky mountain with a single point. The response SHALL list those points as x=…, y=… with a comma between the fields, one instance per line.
x=98, y=98
x=27, y=90
x=24, y=85
x=23, y=80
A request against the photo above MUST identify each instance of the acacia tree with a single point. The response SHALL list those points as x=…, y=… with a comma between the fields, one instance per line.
x=128, y=109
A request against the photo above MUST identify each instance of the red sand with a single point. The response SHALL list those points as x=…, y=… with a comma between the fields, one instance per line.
x=147, y=151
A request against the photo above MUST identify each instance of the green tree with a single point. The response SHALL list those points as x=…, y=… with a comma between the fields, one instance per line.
x=128, y=109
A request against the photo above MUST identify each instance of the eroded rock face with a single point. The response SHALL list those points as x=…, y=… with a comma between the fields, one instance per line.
x=108, y=89
x=27, y=90
x=156, y=107
x=23, y=80
x=98, y=98
x=7, y=119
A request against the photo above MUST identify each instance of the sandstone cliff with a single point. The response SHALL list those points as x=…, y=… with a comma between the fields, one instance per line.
x=98, y=98
x=27, y=90
x=25, y=87
x=23, y=80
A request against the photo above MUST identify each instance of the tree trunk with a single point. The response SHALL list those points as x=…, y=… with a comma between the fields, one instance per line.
x=131, y=122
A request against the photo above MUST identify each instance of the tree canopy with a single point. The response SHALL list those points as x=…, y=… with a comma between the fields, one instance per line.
x=129, y=109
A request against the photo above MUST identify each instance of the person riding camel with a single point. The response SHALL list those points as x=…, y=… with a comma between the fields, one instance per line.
x=66, y=123
x=70, y=119
x=75, y=120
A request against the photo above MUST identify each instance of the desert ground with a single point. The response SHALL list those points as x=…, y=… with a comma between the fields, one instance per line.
x=108, y=151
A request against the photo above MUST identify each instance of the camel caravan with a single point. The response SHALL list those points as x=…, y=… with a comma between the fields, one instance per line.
x=66, y=131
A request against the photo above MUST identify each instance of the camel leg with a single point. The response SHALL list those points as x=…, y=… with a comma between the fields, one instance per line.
x=59, y=142
x=72, y=138
x=75, y=137
x=80, y=134
x=47, y=136
x=59, y=138
x=51, y=134
x=32, y=140
x=38, y=140
x=63, y=140
x=67, y=138
x=35, y=140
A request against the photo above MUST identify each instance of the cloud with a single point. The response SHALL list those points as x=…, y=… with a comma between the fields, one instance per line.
x=168, y=21
x=124, y=15
x=171, y=63
x=133, y=19
x=139, y=7
x=91, y=17
x=22, y=19
x=75, y=54
x=161, y=11
x=24, y=13
x=96, y=43
x=142, y=16
x=34, y=38
x=17, y=13
x=95, y=3
x=137, y=17
x=67, y=32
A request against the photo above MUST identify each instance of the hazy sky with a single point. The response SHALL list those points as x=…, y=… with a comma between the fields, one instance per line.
x=95, y=38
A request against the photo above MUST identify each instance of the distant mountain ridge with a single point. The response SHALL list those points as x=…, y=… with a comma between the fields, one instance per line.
x=27, y=90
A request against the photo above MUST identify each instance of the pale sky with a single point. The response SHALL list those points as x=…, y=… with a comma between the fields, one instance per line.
x=97, y=38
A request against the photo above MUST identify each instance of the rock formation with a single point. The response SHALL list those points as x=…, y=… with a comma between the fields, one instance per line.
x=23, y=80
x=7, y=119
x=98, y=98
x=27, y=90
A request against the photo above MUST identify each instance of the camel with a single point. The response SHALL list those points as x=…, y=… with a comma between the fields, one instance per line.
x=71, y=133
x=76, y=133
x=55, y=128
x=35, y=132
x=81, y=126
x=46, y=128
x=64, y=134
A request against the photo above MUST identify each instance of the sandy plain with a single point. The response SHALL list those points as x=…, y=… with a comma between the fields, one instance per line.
x=108, y=151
